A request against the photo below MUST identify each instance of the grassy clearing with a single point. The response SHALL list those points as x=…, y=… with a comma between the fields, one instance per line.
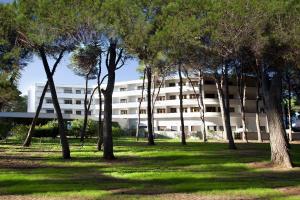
x=167, y=170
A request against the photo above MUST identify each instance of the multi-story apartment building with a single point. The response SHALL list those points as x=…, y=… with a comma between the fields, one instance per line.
x=126, y=98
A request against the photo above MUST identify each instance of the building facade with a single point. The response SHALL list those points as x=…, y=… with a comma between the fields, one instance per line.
x=126, y=99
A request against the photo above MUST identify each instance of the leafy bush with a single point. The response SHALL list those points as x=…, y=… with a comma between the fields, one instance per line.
x=20, y=132
x=117, y=131
x=77, y=124
x=4, y=129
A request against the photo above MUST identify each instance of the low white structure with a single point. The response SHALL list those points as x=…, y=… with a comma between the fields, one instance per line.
x=166, y=111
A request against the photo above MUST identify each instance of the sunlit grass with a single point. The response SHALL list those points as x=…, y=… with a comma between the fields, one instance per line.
x=163, y=170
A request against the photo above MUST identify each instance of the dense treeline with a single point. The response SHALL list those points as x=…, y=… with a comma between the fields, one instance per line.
x=222, y=39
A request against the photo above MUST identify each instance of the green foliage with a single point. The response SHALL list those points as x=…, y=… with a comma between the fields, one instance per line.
x=4, y=129
x=20, y=132
x=77, y=124
x=117, y=131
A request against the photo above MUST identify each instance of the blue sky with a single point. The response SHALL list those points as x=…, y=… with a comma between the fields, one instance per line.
x=34, y=72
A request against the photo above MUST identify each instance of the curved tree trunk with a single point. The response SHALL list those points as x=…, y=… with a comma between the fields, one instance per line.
x=227, y=110
x=243, y=104
x=279, y=150
x=221, y=103
x=108, y=92
x=149, y=107
x=100, y=125
x=183, y=141
x=28, y=139
x=139, y=110
x=61, y=125
x=289, y=109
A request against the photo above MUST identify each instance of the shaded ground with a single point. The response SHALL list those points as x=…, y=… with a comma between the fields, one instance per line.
x=167, y=170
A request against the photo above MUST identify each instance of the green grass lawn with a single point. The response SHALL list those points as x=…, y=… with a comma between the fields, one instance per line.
x=167, y=170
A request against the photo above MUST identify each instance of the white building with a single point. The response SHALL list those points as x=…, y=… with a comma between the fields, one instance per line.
x=166, y=112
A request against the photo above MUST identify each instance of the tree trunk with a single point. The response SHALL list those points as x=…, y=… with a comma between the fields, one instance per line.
x=61, y=125
x=140, y=105
x=107, y=122
x=149, y=107
x=201, y=85
x=83, y=130
x=28, y=139
x=227, y=110
x=221, y=102
x=243, y=103
x=279, y=151
x=183, y=141
x=100, y=125
x=289, y=109
x=257, y=120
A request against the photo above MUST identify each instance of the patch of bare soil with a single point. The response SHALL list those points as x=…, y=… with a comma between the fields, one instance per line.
x=15, y=163
x=269, y=166
x=290, y=191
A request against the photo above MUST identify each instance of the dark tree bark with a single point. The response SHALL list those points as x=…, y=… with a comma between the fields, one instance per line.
x=28, y=139
x=279, y=149
x=61, y=125
x=149, y=106
x=221, y=103
x=139, y=110
x=200, y=86
x=107, y=121
x=183, y=141
x=227, y=109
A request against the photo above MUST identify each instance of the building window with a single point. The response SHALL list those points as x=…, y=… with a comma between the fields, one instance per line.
x=195, y=128
x=68, y=90
x=78, y=112
x=123, y=112
x=161, y=128
x=48, y=100
x=140, y=87
x=210, y=95
x=194, y=83
x=123, y=100
x=172, y=84
x=142, y=111
x=231, y=96
x=68, y=101
x=221, y=128
x=173, y=110
x=184, y=96
x=89, y=112
x=173, y=128
x=49, y=111
x=122, y=89
x=209, y=82
x=210, y=109
x=161, y=110
x=231, y=109
x=172, y=97
x=139, y=99
x=195, y=109
x=68, y=112
x=161, y=98
x=78, y=91
x=78, y=102
x=263, y=128
x=185, y=110
x=212, y=128
x=219, y=109
x=194, y=96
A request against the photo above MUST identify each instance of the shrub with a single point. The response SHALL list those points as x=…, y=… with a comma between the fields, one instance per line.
x=48, y=130
x=117, y=131
x=77, y=124
x=4, y=129
x=20, y=132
